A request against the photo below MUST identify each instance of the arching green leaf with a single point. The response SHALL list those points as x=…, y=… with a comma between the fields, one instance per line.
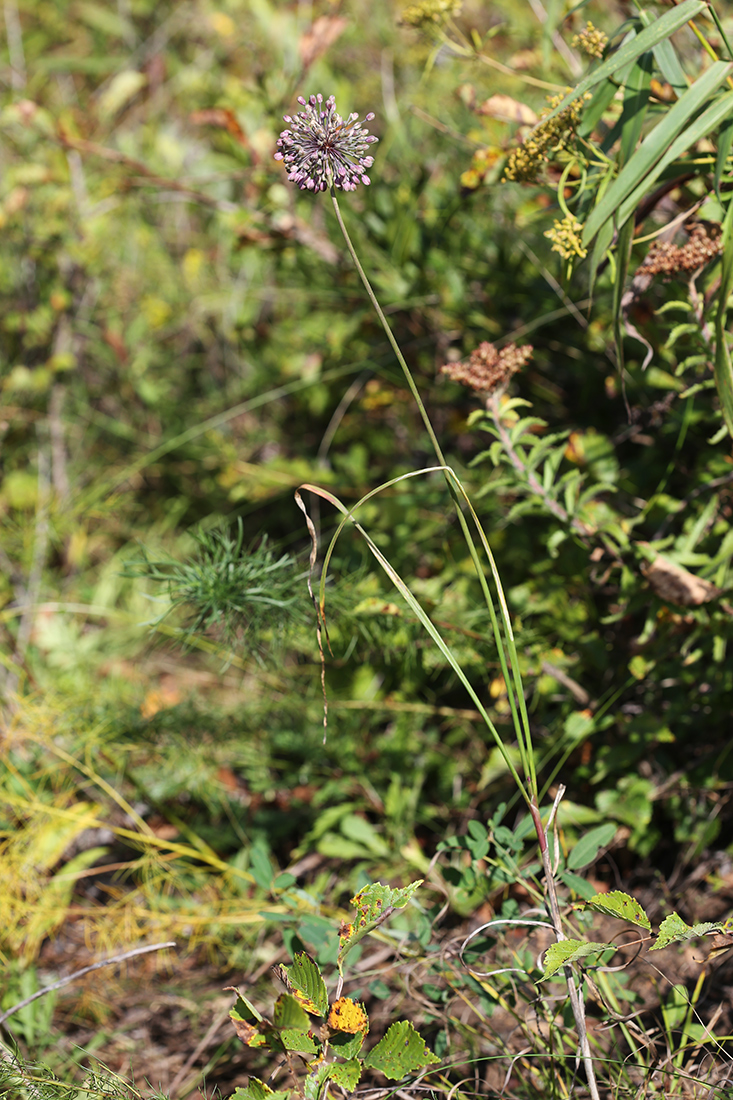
x=618, y=904
x=567, y=952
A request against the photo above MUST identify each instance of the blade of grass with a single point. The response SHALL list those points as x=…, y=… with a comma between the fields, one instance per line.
x=659, y=147
x=650, y=37
x=723, y=368
x=414, y=606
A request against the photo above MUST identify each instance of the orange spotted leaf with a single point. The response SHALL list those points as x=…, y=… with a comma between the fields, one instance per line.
x=347, y=1015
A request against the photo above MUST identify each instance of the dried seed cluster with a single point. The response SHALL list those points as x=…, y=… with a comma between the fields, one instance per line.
x=566, y=239
x=321, y=148
x=487, y=369
x=591, y=41
x=430, y=11
x=526, y=161
x=665, y=258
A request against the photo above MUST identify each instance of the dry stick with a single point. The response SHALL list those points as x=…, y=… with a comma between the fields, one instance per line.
x=575, y=993
x=82, y=972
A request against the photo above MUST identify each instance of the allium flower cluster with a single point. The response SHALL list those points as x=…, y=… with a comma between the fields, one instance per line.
x=321, y=148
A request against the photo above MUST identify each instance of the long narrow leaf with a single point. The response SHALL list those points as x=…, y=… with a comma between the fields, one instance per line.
x=650, y=37
x=723, y=368
x=657, y=143
x=725, y=140
x=414, y=605
x=708, y=121
x=666, y=58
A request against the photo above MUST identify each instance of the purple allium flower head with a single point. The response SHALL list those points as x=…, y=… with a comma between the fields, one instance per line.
x=322, y=148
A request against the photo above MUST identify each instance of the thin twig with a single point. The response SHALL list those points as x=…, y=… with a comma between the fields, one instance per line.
x=80, y=973
x=575, y=993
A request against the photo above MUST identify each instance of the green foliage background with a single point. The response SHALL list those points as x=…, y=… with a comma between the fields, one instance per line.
x=184, y=341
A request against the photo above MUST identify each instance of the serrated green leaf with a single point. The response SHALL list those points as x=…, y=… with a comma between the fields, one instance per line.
x=618, y=904
x=305, y=982
x=661, y=29
x=674, y=930
x=299, y=1041
x=258, y=1090
x=288, y=1013
x=346, y=1074
x=588, y=847
x=400, y=1052
x=659, y=148
x=373, y=903
x=345, y=1045
x=566, y=952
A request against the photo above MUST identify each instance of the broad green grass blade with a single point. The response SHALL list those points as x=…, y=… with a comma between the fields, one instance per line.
x=666, y=58
x=658, y=142
x=708, y=121
x=723, y=369
x=636, y=102
x=650, y=37
x=725, y=140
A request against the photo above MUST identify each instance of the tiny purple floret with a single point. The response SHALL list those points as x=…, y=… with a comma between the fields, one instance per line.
x=321, y=148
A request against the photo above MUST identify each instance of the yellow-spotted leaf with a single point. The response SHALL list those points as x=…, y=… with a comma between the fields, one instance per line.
x=347, y=1015
x=373, y=904
x=618, y=904
x=303, y=979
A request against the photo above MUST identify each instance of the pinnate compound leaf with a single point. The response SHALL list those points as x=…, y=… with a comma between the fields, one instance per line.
x=618, y=904
x=258, y=1090
x=303, y=979
x=674, y=930
x=566, y=952
x=401, y=1051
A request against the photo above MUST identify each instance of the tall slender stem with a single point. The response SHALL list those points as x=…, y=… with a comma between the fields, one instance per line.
x=514, y=692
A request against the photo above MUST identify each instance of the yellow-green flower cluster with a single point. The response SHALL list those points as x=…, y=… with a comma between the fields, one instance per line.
x=566, y=240
x=525, y=162
x=430, y=11
x=590, y=40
